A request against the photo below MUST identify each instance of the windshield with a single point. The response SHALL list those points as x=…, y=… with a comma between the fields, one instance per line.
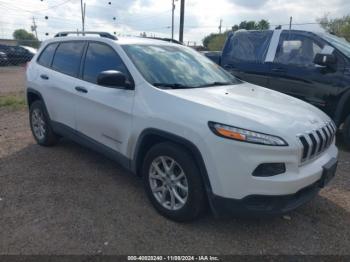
x=175, y=66
x=338, y=43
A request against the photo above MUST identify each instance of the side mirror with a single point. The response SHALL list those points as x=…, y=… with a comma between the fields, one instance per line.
x=325, y=59
x=113, y=79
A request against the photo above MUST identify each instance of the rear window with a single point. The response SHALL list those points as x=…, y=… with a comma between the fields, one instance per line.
x=67, y=57
x=247, y=46
x=47, y=55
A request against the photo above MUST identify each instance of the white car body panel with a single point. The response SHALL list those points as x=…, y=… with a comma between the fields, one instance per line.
x=117, y=117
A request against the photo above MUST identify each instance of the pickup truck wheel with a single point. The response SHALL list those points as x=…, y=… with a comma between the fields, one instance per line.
x=172, y=182
x=40, y=125
x=346, y=132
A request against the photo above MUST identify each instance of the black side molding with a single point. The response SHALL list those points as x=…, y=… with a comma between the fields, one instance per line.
x=88, y=142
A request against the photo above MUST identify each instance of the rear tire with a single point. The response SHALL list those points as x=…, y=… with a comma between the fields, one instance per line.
x=173, y=182
x=346, y=132
x=40, y=125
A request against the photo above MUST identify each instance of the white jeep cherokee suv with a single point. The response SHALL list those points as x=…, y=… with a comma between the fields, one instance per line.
x=195, y=134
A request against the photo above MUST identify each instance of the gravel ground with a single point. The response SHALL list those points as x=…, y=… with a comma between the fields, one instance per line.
x=11, y=79
x=70, y=200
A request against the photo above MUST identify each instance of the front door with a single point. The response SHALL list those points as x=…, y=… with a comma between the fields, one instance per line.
x=293, y=70
x=103, y=114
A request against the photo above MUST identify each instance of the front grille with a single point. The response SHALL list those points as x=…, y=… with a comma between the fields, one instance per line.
x=317, y=141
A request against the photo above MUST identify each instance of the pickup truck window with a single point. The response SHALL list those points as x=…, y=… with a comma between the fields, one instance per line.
x=247, y=46
x=296, y=49
x=338, y=43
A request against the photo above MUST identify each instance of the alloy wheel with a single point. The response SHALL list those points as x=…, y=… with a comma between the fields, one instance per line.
x=168, y=183
x=38, y=124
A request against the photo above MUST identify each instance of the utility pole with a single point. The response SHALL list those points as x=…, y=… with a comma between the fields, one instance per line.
x=220, y=26
x=83, y=9
x=290, y=22
x=172, y=19
x=182, y=18
x=34, y=27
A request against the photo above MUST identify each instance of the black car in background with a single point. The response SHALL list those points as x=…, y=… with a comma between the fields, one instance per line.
x=314, y=67
x=17, y=54
x=3, y=59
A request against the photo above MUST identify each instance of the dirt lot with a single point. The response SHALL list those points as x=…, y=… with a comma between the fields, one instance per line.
x=70, y=200
x=11, y=79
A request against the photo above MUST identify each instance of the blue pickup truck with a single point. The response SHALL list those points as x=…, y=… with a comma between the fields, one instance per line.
x=314, y=67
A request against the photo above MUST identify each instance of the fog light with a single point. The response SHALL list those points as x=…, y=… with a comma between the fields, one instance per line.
x=269, y=169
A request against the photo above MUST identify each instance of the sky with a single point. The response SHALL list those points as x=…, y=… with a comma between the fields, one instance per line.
x=131, y=17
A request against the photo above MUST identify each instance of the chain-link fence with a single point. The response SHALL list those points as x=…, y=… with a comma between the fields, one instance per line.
x=15, y=53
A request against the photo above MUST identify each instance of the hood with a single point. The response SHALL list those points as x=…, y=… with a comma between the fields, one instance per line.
x=251, y=105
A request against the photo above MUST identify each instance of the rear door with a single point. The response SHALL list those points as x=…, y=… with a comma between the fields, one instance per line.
x=104, y=114
x=244, y=55
x=60, y=81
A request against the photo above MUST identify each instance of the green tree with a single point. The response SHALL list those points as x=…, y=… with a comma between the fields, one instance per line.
x=252, y=25
x=263, y=25
x=215, y=42
x=25, y=38
x=338, y=26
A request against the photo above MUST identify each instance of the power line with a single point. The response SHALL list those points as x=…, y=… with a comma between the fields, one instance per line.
x=35, y=11
x=64, y=20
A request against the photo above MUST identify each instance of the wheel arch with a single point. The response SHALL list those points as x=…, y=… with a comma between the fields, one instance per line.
x=149, y=137
x=34, y=95
x=343, y=108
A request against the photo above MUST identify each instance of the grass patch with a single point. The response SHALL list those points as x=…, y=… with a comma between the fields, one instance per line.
x=12, y=102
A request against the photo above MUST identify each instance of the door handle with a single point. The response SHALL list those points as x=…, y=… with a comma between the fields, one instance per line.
x=278, y=70
x=81, y=89
x=45, y=77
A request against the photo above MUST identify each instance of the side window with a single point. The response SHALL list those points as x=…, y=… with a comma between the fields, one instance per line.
x=46, y=56
x=248, y=46
x=67, y=57
x=100, y=57
x=296, y=49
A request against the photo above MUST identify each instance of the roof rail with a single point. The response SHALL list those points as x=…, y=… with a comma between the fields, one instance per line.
x=164, y=39
x=101, y=34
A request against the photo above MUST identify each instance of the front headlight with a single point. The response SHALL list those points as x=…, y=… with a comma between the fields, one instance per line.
x=245, y=135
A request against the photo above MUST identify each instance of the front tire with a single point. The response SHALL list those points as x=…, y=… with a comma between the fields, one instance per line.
x=173, y=183
x=40, y=125
x=346, y=132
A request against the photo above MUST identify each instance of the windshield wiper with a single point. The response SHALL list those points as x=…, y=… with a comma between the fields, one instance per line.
x=217, y=84
x=172, y=85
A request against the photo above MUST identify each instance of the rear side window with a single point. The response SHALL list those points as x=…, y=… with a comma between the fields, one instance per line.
x=100, y=57
x=247, y=46
x=47, y=55
x=67, y=58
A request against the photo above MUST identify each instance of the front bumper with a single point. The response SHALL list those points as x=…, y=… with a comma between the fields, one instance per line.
x=271, y=205
x=230, y=166
x=263, y=205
